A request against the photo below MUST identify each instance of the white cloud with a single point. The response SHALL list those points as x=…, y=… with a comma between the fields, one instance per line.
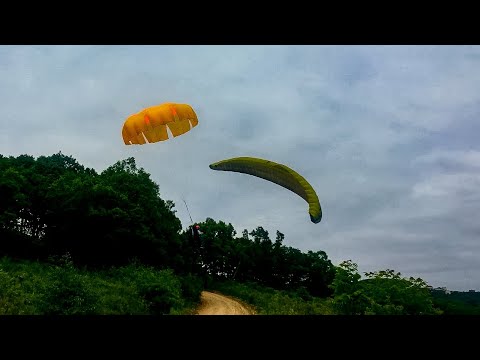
x=368, y=126
x=469, y=158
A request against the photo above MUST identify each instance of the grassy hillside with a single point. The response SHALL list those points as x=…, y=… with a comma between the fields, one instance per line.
x=268, y=301
x=35, y=288
x=58, y=287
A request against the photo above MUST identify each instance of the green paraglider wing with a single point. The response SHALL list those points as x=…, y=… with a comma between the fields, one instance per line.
x=278, y=174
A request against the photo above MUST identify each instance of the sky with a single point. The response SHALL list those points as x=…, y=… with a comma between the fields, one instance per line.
x=386, y=135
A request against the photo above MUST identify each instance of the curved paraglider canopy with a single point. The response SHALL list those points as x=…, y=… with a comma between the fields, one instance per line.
x=150, y=124
x=278, y=174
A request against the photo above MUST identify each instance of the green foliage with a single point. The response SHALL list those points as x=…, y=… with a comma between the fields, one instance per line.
x=60, y=288
x=21, y=287
x=160, y=289
x=349, y=298
x=192, y=287
x=393, y=294
x=381, y=293
x=457, y=303
x=116, y=296
x=268, y=301
x=52, y=205
x=68, y=291
x=253, y=257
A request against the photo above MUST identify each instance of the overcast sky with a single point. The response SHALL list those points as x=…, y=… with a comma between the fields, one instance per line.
x=387, y=136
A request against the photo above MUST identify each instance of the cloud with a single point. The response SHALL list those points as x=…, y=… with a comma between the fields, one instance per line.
x=387, y=135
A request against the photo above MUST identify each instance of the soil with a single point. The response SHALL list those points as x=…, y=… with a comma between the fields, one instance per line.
x=213, y=303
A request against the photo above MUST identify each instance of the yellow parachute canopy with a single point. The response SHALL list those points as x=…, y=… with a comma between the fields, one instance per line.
x=278, y=174
x=150, y=124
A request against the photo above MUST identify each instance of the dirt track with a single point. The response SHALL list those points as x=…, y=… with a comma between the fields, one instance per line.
x=216, y=304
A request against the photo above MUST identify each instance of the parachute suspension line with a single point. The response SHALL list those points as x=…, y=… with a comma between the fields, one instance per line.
x=187, y=210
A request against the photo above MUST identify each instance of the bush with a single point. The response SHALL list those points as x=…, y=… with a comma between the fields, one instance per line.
x=192, y=287
x=161, y=289
x=67, y=292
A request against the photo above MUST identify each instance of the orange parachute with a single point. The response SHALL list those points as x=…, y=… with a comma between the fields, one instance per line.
x=150, y=124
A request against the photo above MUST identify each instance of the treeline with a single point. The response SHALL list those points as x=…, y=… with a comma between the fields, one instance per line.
x=52, y=205
x=457, y=302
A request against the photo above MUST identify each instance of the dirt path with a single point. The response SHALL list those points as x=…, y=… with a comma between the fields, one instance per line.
x=216, y=304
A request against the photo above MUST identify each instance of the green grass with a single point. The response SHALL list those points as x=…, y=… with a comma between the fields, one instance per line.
x=33, y=288
x=59, y=288
x=267, y=301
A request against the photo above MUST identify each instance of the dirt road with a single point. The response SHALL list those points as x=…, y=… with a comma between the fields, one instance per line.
x=216, y=304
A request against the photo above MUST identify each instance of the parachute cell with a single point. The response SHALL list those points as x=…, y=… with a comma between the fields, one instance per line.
x=278, y=174
x=150, y=124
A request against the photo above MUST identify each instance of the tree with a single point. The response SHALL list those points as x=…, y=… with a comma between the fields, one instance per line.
x=381, y=293
x=392, y=294
x=349, y=298
x=219, y=256
x=54, y=205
